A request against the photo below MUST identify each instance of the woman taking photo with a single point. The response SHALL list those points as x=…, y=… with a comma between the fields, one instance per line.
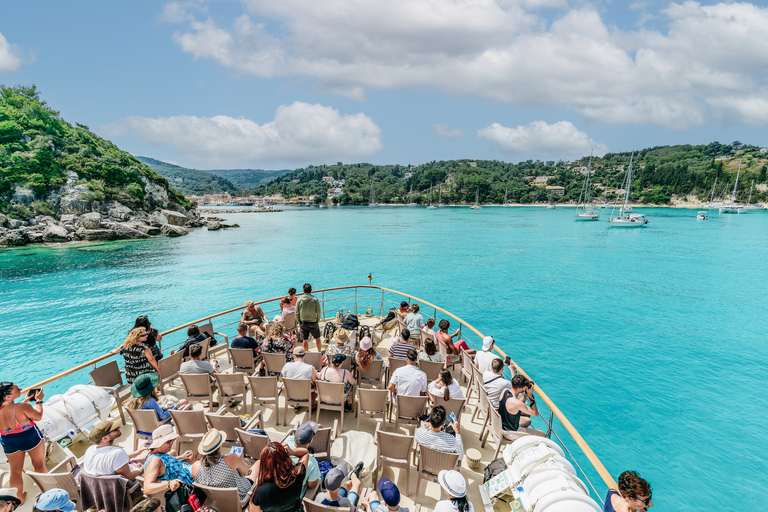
x=18, y=433
x=280, y=482
x=153, y=336
x=137, y=354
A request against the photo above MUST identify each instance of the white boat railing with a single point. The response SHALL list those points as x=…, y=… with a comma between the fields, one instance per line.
x=379, y=304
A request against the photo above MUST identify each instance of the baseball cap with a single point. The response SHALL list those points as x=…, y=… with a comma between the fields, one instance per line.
x=487, y=342
x=337, y=359
x=404, y=304
x=335, y=477
x=298, y=351
x=102, y=429
x=306, y=432
x=55, y=499
x=389, y=492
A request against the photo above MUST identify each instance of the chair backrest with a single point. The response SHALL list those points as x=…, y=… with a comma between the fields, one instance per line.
x=433, y=461
x=395, y=363
x=411, y=407
x=47, y=481
x=206, y=344
x=92, y=485
x=321, y=443
x=263, y=388
x=374, y=371
x=230, y=383
x=198, y=384
x=298, y=389
x=452, y=405
x=477, y=378
x=170, y=364
x=145, y=420
x=242, y=360
x=395, y=446
x=221, y=498
x=466, y=362
x=347, y=364
x=314, y=506
x=189, y=422
x=483, y=402
x=207, y=329
x=431, y=368
x=289, y=322
x=331, y=393
x=226, y=424
x=373, y=399
x=425, y=336
x=400, y=323
x=107, y=374
x=443, y=350
x=274, y=362
x=315, y=359
x=252, y=443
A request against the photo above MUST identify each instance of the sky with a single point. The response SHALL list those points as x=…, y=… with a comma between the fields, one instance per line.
x=215, y=84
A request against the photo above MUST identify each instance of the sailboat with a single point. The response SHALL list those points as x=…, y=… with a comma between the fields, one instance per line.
x=431, y=206
x=440, y=201
x=506, y=203
x=551, y=205
x=733, y=206
x=627, y=220
x=477, y=206
x=410, y=198
x=756, y=206
x=373, y=203
x=587, y=208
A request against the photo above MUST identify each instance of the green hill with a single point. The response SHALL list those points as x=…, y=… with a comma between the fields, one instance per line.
x=249, y=178
x=38, y=149
x=192, y=181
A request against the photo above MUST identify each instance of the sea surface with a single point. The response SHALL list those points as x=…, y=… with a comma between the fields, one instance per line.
x=652, y=341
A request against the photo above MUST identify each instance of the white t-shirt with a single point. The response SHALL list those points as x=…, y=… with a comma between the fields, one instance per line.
x=484, y=359
x=495, y=388
x=448, y=506
x=105, y=460
x=297, y=370
x=453, y=389
x=409, y=380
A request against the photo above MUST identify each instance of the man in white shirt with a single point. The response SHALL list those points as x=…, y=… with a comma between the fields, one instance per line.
x=409, y=380
x=484, y=358
x=495, y=383
x=104, y=458
x=298, y=369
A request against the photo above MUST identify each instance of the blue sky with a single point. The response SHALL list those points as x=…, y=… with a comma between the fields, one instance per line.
x=264, y=84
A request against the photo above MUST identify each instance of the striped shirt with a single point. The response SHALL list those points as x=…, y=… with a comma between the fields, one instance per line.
x=400, y=349
x=440, y=441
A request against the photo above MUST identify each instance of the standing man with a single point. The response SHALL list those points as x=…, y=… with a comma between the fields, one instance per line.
x=308, y=315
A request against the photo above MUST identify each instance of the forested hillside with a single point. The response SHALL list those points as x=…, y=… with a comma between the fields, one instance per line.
x=659, y=173
x=192, y=182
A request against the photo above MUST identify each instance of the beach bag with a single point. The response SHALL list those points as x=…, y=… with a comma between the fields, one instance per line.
x=350, y=322
x=494, y=468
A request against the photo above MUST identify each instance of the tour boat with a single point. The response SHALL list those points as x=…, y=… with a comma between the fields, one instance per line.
x=627, y=220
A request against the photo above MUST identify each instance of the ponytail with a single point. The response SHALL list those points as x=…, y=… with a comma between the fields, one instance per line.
x=447, y=378
x=462, y=504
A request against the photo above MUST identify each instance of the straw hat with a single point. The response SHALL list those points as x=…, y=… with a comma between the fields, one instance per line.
x=144, y=384
x=211, y=442
x=341, y=336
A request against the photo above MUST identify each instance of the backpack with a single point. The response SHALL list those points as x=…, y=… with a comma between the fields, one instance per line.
x=350, y=322
x=494, y=468
x=328, y=330
x=363, y=332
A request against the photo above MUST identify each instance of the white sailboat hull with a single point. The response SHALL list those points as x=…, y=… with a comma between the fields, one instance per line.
x=626, y=223
x=586, y=216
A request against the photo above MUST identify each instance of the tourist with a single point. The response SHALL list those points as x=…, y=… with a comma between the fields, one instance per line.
x=298, y=369
x=495, y=383
x=104, y=458
x=484, y=358
x=151, y=504
x=446, y=386
x=432, y=433
x=408, y=379
x=196, y=366
x=144, y=391
x=217, y=470
x=242, y=340
x=390, y=495
x=308, y=314
x=277, y=343
x=453, y=348
x=403, y=310
x=162, y=471
x=153, y=336
x=55, y=500
x=254, y=318
x=9, y=501
x=430, y=352
x=455, y=487
x=194, y=337
x=340, y=494
x=334, y=373
x=19, y=434
x=366, y=354
x=340, y=337
x=414, y=321
x=400, y=347
x=301, y=439
x=285, y=308
x=634, y=494
x=292, y=297
x=429, y=327
x=511, y=409
x=138, y=356
x=280, y=481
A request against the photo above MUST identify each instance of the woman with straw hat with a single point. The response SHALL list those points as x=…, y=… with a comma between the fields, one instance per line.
x=455, y=487
x=341, y=337
x=215, y=470
x=144, y=391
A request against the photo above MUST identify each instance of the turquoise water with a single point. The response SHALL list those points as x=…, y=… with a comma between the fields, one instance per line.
x=651, y=341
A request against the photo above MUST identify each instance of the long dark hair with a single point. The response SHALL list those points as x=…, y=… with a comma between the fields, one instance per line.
x=462, y=504
x=447, y=378
x=143, y=321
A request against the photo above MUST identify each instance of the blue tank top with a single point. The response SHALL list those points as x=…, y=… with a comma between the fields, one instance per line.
x=608, y=505
x=174, y=468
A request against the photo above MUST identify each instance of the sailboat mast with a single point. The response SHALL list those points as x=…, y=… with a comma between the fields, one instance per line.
x=430, y=194
x=750, y=192
x=712, y=197
x=629, y=183
x=506, y=189
x=735, y=185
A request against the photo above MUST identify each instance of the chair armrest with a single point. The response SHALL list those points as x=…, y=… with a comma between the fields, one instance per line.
x=255, y=420
x=132, y=487
x=221, y=410
x=71, y=461
x=185, y=407
x=226, y=338
x=375, y=433
x=335, y=430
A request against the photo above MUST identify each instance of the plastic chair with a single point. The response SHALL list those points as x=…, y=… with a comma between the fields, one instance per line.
x=169, y=367
x=394, y=364
x=91, y=484
x=408, y=409
x=190, y=425
x=227, y=423
x=225, y=498
x=400, y=324
x=476, y=381
x=242, y=359
x=394, y=450
x=315, y=359
x=452, y=405
x=274, y=362
x=321, y=442
x=289, y=323
x=56, y=479
x=109, y=377
x=482, y=407
x=298, y=393
x=145, y=420
x=331, y=397
x=373, y=375
x=266, y=391
x=253, y=443
x=207, y=329
x=466, y=368
x=431, y=462
x=431, y=368
x=373, y=403
x=496, y=431
x=197, y=387
x=232, y=386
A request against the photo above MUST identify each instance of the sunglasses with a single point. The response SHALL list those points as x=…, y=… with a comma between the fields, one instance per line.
x=646, y=501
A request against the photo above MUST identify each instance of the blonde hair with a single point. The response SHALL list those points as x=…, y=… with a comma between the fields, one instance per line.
x=248, y=303
x=133, y=337
x=277, y=331
x=138, y=402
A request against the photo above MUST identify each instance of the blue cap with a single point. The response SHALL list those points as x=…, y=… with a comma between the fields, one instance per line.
x=389, y=492
x=55, y=499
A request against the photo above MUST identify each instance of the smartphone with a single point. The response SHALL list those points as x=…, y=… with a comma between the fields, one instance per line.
x=237, y=450
x=31, y=393
x=453, y=418
x=507, y=360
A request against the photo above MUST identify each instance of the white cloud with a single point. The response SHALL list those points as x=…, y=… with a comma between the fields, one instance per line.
x=507, y=50
x=10, y=60
x=298, y=132
x=446, y=131
x=559, y=140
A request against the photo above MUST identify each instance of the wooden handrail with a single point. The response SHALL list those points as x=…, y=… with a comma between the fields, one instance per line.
x=604, y=474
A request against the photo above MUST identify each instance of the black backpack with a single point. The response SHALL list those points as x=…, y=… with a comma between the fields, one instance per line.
x=328, y=331
x=363, y=332
x=350, y=322
x=494, y=468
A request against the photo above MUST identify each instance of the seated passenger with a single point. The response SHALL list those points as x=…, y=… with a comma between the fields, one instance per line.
x=453, y=348
x=414, y=321
x=162, y=471
x=341, y=338
x=301, y=439
x=55, y=500
x=430, y=352
x=403, y=310
x=104, y=458
x=144, y=391
x=153, y=336
x=366, y=354
x=634, y=494
x=277, y=343
x=390, y=495
x=429, y=327
x=485, y=357
x=216, y=470
x=400, y=347
x=280, y=481
x=286, y=308
x=340, y=494
x=244, y=341
x=254, y=318
x=194, y=337
x=334, y=373
x=511, y=409
x=432, y=433
x=495, y=383
x=409, y=380
x=455, y=487
x=445, y=385
x=298, y=369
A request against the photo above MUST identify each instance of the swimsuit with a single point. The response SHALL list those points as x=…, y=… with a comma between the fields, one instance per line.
x=254, y=316
x=21, y=438
x=608, y=505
